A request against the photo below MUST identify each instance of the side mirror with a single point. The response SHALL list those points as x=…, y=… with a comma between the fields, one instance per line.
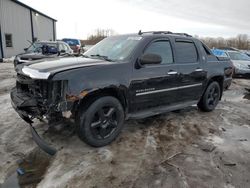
x=150, y=59
x=62, y=51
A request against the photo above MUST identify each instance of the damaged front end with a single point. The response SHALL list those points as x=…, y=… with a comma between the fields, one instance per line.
x=43, y=99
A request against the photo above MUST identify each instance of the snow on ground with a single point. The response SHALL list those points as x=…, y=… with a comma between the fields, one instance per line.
x=187, y=148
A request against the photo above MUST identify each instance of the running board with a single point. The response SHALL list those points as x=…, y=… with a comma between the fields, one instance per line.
x=159, y=110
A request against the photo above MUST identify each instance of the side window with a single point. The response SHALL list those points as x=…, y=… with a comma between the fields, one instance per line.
x=8, y=40
x=186, y=52
x=61, y=47
x=162, y=48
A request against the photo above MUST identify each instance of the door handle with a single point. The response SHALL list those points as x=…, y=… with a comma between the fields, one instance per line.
x=198, y=70
x=172, y=72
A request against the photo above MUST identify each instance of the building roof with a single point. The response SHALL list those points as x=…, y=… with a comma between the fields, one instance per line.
x=34, y=10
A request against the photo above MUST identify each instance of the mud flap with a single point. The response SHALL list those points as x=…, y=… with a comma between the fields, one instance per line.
x=41, y=143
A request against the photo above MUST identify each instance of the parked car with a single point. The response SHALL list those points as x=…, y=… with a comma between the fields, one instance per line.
x=241, y=63
x=221, y=54
x=122, y=77
x=74, y=44
x=42, y=50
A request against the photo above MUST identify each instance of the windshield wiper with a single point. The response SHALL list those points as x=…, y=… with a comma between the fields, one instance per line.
x=101, y=56
x=84, y=56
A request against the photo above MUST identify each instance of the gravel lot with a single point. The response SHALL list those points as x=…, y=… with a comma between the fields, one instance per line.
x=187, y=148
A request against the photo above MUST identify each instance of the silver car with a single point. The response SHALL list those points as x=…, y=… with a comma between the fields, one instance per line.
x=241, y=63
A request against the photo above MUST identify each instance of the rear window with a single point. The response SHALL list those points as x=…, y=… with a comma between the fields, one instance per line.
x=72, y=42
x=186, y=52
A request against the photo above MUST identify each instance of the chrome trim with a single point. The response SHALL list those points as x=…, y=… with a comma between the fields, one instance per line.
x=172, y=73
x=33, y=73
x=198, y=70
x=169, y=89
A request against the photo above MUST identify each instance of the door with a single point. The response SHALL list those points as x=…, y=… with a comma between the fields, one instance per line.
x=190, y=66
x=151, y=85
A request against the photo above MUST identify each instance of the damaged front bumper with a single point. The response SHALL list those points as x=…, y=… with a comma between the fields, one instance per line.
x=23, y=106
x=20, y=102
x=41, y=143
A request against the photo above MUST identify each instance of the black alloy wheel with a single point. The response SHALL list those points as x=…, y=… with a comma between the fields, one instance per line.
x=210, y=98
x=102, y=122
x=213, y=96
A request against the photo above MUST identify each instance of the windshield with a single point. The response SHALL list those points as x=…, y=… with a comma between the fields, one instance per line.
x=238, y=56
x=72, y=42
x=114, y=48
x=38, y=47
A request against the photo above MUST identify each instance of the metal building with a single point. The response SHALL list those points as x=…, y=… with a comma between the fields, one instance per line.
x=19, y=24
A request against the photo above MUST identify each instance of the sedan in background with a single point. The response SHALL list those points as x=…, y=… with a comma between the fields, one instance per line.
x=74, y=44
x=42, y=50
x=241, y=63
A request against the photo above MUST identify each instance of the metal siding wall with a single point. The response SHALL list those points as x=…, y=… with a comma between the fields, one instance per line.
x=55, y=29
x=1, y=47
x=15, y=20
x=43, y=27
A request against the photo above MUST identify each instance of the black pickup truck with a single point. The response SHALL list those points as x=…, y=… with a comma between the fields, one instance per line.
x=122, y=77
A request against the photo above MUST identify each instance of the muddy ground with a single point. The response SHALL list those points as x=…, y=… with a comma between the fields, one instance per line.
x=187, y=148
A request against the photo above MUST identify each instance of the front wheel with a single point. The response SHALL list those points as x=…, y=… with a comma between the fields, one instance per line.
x=102, y=122
x=210, y=98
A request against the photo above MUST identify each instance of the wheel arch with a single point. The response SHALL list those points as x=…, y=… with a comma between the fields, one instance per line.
x=216, y=78
x=118, y=93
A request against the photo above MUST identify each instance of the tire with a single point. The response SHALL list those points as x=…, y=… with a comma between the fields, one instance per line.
x=102, y=122
x=210, y=98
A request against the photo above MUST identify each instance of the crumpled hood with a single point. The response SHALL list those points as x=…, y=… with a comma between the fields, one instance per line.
x=61, y=64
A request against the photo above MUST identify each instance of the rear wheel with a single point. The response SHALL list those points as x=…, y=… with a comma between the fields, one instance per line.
x=102, y=122
x=210, y=98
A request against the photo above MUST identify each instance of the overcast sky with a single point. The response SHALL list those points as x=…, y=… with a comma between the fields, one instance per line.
x=79, y=18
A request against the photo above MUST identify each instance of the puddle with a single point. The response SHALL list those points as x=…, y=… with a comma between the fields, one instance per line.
x=34, y=166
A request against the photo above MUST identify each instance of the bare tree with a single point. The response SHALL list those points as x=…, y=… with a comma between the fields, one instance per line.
x=241, y=41
x=98, y=35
